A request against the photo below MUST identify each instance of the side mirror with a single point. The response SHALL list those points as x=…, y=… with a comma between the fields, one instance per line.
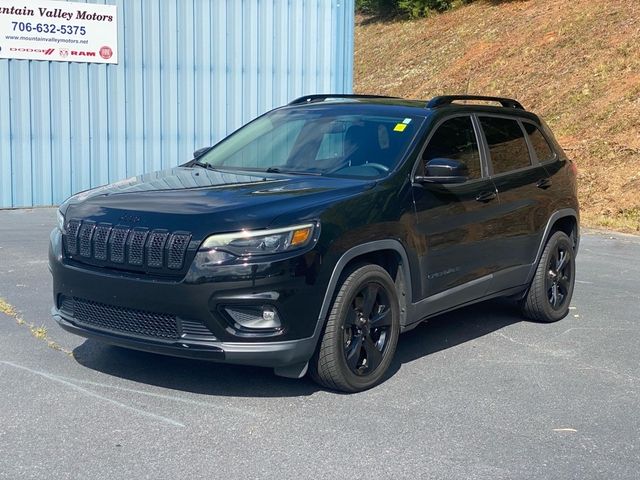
x=444, y=170
x=201, y=151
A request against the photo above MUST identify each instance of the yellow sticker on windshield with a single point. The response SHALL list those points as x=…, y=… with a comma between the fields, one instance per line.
x=400, y=127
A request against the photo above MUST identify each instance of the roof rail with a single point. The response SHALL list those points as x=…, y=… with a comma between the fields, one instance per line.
x=448, y=99
x=326, y=96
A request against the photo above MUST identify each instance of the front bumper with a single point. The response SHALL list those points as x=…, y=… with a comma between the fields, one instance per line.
x=197, y=309
x=263, y=354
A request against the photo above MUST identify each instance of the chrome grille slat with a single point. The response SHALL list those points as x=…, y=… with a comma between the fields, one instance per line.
x=100, y=240
x=71, y=237
x=117, y=243
x=155, y=248
x=178, y=243
x=137, y=239
x=86, y=237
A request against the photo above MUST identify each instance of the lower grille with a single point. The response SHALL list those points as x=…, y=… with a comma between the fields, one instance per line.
x=119, y=319
x=195, y=329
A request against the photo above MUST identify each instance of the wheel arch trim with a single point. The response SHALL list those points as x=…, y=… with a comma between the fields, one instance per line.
x=352, y=253
x=557, y=215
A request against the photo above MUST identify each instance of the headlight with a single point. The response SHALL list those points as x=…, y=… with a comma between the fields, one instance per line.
x=60, y=221
x=261, y=242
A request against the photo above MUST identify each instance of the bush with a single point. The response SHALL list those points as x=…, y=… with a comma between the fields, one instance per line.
x=410, y=8
x=377, y=7
x=422, y=8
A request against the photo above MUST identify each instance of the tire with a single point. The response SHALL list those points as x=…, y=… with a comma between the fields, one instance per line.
x=551, y=289
x=364, y=316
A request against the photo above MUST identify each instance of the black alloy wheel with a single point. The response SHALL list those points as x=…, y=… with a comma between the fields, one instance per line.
x=361, y=333
x=559, y=276
x=366, y=330
x=551, y=289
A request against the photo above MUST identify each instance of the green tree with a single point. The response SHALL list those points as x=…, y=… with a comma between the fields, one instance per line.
x=410, y=8
x=422, y=8
x=377, y=7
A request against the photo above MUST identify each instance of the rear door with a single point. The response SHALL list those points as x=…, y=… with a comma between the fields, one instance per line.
x=521, y=183
x=559, y=191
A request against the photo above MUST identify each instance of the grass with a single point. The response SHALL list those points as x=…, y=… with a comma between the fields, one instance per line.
x=624, y=221
x=574, y=62
x=7, y=308
x=40, y=333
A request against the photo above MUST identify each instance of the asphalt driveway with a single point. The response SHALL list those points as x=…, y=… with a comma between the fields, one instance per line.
x=475, y=394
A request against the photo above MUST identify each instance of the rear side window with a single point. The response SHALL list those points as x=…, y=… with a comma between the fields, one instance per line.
x=456, y=139
x=539, y=143
x=507, y=145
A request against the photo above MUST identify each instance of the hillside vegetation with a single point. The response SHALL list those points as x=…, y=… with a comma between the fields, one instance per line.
x=574, y=62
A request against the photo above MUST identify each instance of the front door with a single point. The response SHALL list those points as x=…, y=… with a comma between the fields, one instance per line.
x=455, y=222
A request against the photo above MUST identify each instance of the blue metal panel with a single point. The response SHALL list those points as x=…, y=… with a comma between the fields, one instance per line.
x=40, y=133
x=189, y=72
x=6, y=167
x=20, y=128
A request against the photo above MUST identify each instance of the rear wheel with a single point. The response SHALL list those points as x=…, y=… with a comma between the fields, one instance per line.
x=551, y=289
x=361, y=334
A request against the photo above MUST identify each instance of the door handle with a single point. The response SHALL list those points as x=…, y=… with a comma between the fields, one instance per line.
x=485, y=197
x=544, y=183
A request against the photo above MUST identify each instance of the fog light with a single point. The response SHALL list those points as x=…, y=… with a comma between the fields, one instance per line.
x=255, y=318
x=269, y=316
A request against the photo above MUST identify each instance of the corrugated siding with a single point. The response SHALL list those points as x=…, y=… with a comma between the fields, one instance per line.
x=189, y=72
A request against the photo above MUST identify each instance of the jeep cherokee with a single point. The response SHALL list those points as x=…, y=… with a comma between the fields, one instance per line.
x=310, y=238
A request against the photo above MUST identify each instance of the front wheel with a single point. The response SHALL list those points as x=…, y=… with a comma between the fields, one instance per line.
x=551, y=289
x=361, y=334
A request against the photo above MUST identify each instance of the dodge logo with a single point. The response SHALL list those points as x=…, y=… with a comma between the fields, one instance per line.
x=46, y=51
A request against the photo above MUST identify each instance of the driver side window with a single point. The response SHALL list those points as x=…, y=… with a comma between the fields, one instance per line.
x=455, y=139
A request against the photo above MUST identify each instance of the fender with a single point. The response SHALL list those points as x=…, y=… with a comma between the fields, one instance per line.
x=557, y=215
x=298, y=370
x=357, y=251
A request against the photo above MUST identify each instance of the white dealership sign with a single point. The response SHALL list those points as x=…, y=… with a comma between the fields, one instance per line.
x=58, y=31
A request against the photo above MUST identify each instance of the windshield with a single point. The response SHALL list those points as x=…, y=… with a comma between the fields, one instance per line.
x=317, y=141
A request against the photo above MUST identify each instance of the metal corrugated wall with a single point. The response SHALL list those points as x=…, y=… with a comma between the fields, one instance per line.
x=189, y=72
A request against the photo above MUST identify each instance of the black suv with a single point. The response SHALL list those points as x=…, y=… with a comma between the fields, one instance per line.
x=313, y=236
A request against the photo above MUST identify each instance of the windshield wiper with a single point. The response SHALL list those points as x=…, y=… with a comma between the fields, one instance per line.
x=198, y=163
x=293, y=172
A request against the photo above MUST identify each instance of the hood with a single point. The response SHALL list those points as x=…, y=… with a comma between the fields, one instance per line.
x=205, y=201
